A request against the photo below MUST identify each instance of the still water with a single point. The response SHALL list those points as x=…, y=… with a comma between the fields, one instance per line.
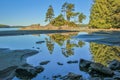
x=60, y=48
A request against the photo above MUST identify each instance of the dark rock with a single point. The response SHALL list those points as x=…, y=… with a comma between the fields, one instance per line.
x=102, y=69
x=38, y=48
x=84, y=63
x=116, y=77
x=71, y=76
x=40, y=42
x=24, y=74
x=114, y=65
x=39, y=69
x=71, y=62
x=109, y=78
x=59, y=63
x=44, y=62
x=56, y=76
x=95, y=78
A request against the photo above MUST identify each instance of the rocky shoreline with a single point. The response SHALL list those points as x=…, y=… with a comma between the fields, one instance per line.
x=98, y=71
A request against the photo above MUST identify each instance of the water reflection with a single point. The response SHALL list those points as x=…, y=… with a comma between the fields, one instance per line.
x=65, y=42
x=103, y=54
x=56, y=48
x=50, y=45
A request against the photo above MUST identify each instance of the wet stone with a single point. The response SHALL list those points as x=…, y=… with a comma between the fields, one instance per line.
x=39, y=69
x=71, y=76
x=40, y=42
x=114, y=65
x=56, y=76
x=72, y=62
x=95, y=78
x=108, y=78
x=44, y=62
x=24, y=74
x=59, y=63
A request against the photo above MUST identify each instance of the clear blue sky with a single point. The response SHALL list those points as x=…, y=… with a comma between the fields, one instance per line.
x=27, y=12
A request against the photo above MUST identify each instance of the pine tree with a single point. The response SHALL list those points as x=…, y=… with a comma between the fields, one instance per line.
x=100, y=14
x=81, y=17
x=105, y=14
x=49, y=14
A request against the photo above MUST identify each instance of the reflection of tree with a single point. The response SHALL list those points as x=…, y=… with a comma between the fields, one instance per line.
x=59, y=38
x=69, y=50
x=50, y=45
x=65, y=41
x=103, y=54
x=81, y=43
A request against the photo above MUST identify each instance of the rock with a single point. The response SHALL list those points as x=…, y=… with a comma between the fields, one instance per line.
x=40, y=42
x=24, y=74
x=71, y=62
x=102, y=69
x=71, y=76
x=59, y=63
x=95, y=69
x=38, y=48
x=114, y=65
x=39, y=69
x=56, y=76
x=95, y=78
x=10, y=60
x=84, y=63
x=109, y=78
x=44, y=62
x=116, y=77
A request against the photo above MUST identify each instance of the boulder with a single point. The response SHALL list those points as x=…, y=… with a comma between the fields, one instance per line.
x=44, y=62
x=102, y=69
x=114, y=65
x=71, y=76
x=59, y=63
x=40, y=42
x=72, y=62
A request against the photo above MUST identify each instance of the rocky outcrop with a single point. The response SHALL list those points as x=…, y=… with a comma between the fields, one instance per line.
x=10, y=60
x=28, y=73
x=99, y=71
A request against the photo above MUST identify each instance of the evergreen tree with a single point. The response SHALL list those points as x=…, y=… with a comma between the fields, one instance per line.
x=81, y=17
x=64, y=8
x=115, y=13
x=69, y=13
x=105, y=14
x=100, y=14
x=67, y=9
x=58, y=21
x=49, y=14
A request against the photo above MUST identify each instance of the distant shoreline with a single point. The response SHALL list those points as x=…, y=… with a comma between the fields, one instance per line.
x=27, y=32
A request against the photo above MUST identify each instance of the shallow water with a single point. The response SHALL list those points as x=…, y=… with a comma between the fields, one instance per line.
x=8, y=29
x=60, y=48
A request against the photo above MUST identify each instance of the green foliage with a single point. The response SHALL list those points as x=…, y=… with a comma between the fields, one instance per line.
x=4, y=26
x=81, y=17
x=68, y=18
x=49, y=14
x=67, y=9
x=50, y=45
x=116, y=13
x=105, y=14
x=58, y=21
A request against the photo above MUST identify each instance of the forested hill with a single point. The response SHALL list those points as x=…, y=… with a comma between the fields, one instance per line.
x=7, y=26
x=4, y=26
x=105, y=14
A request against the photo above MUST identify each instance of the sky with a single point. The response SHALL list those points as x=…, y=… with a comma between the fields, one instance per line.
x=27, y=12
